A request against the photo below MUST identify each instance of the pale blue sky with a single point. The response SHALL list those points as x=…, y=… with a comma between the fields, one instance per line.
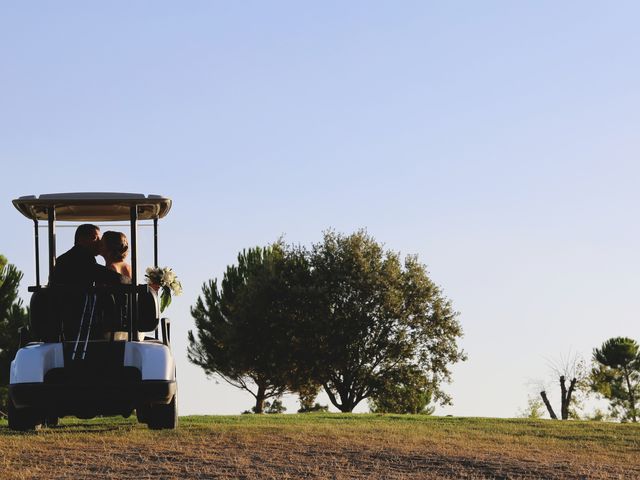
x=497, y=140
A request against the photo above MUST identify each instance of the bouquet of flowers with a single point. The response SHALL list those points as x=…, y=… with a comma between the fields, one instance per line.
x=165, y=280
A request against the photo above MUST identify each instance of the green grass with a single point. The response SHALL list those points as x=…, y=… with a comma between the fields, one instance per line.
x=420, y=424
x=289, y=446
x=627, y=434
x=567, y=434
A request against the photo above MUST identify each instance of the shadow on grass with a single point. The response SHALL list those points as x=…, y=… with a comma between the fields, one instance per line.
x=71, y=426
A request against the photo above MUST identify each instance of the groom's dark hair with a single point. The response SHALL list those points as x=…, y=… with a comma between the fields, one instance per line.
x=84, y=230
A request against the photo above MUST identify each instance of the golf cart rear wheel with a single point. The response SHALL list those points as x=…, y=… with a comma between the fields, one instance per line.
x=161, y=417
x=23, y=419
x=142, y=413
x=51, y=421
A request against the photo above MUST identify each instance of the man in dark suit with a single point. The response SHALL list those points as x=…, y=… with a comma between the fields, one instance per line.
x=78, y=268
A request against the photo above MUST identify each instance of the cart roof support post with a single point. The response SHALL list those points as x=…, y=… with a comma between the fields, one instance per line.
x=155, y=242
x=155, y=252
x=133, y=328
x=37, y=240
x=51, y=214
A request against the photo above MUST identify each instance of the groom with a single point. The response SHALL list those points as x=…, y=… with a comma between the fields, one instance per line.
x=78, y=268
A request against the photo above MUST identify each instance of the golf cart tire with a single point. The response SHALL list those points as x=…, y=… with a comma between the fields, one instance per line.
x=142, y=413
x=23, y=419
x=51, y=421
x=163, y=417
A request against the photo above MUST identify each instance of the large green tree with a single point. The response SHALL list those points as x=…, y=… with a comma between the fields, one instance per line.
x=12, y=317
x=374, y=313
x=616, y=376
x=243, y=325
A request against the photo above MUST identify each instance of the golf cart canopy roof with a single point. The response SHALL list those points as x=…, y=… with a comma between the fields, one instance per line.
x=93, y=206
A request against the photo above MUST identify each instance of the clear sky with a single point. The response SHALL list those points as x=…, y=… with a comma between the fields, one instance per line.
x=498, y=140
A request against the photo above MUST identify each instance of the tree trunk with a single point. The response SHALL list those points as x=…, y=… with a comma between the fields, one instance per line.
x=543, y=394
x=563, y=398
x=632, y=397
x=260, y=396
x=566, y=396
x=332, y=397
x=346, y=405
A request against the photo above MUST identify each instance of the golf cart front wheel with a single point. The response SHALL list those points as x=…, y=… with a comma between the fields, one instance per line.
x=23, y=419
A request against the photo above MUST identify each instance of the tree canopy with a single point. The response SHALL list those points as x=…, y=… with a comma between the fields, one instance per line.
x=375, y=315
x=12, y=316
x=242, y=326
x=346, y=315
x=616, y=376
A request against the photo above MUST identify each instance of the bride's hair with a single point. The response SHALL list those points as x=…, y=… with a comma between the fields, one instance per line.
x=116, y=244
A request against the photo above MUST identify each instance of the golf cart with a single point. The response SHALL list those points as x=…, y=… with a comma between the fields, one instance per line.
x=84, y=352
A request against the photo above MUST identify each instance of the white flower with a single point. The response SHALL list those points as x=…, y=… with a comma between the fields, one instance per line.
x=154, y=276
x=168, y=277
x=176, y=287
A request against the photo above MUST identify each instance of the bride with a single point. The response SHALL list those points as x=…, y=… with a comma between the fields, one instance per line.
x=114, y=250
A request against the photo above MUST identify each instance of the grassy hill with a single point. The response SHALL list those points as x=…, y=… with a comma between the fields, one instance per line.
x=324, y=446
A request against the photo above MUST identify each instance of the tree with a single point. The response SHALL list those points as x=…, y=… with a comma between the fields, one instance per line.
x=307, y=393
x=243, y=327
x=404, y=390
x=571, y=374
x=373, y=315
x=616, y=376
x=534, y=409
x=597, y=415
x=12, y=317
x=269, y=407
x=275, y=406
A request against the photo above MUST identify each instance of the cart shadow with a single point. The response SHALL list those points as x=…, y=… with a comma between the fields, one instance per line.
x=84, y=428
x=72, y=428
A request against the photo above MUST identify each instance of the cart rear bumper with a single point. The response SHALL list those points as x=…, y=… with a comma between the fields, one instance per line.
x=90, y=400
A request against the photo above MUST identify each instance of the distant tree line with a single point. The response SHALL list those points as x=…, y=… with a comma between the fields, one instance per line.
x=345, y=316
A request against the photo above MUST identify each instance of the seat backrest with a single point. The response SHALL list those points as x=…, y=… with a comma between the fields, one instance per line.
x=46, y=312
x=54, y=312
x=148, y=311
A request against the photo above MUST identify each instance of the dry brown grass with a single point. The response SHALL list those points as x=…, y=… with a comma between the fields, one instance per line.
x=325, y=446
